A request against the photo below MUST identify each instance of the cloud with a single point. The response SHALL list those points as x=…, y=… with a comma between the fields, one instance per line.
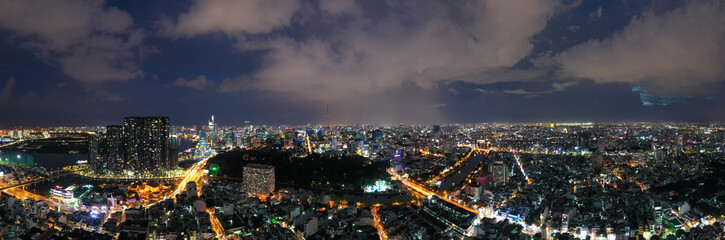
x=656, y=100
x=233, y=17
x=518, y=91
x=235, y=84
x=555, y=87
x=484, y=91
x=88, y=41
x=7, y=92
x=114, y=98
x=677, y=52
x=596, y=15
x=53, y=104
x=337, y=7
x=560, y=86
x=454, y=91
x=439, y=105
x=418, y=42
x=197, y=83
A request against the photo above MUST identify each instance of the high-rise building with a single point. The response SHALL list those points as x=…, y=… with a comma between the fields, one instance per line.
x=146, y=143
x=95, y=160
x=112, y=149
x=229, y=138
x=202, y=139
x=258, y=178
x=213, y=130
x=499, y=171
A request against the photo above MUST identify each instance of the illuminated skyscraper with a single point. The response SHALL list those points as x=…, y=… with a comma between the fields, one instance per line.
x=95, y=161
x=112, y=149
x=146, y=143
x=212, y=132
x=229, y=138
x=258, y=178
x=202, y=139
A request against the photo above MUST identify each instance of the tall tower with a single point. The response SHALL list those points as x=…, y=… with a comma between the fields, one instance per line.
x=213, y=132
x=202, y=139
x=146, y=141
x=327, y=114
x=113, y=149
x=94, y=160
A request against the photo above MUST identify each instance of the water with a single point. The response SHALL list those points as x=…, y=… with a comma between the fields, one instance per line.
x=50, y=161
x=53, y=161
x=181, y=143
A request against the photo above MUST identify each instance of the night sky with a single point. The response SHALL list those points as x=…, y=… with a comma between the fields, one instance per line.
x=375, y=61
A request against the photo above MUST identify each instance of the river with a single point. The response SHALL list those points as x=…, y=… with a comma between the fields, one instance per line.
x=53, y=161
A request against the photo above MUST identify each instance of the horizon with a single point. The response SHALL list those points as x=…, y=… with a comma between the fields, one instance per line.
x=322, y=125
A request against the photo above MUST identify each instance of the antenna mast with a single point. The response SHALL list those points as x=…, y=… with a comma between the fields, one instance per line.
x=327, y=105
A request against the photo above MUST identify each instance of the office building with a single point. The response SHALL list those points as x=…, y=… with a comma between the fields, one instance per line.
x=202, y=139
x=146, y=143
x=258, y=178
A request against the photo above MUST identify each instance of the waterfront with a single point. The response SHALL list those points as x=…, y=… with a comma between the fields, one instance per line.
x=56, y=161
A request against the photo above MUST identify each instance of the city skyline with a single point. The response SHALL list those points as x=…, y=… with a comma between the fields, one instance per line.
x=362, y=119
x=91, y=63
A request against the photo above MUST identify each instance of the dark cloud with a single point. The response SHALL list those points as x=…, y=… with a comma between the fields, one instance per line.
x=681, y=51
x=423, y=43
x=199, y=82
x=376, y=61
x=7, y=91
x=86, y=40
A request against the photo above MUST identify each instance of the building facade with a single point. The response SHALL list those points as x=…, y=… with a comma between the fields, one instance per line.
x=95, y=160
x=500, y=172
x=258, y=178
x=146, y=144
x=112, y=149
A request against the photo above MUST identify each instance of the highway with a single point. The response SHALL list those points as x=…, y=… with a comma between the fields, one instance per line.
x=21, y=194
x=194, y=173
x=419, y=188
x=5, y=187
x=425, y=191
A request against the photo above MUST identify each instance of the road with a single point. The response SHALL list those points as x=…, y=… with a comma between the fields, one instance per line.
x=194, y=173
x=425, y=191
x=381, y=231
x=419, y=188
x=21, y=194
x=5, y=187
x=216, y=225
x=521, y=167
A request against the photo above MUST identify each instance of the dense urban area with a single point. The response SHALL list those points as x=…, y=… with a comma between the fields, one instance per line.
x=457, y=181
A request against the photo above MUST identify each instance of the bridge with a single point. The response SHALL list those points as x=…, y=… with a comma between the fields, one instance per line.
x=36, y=181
